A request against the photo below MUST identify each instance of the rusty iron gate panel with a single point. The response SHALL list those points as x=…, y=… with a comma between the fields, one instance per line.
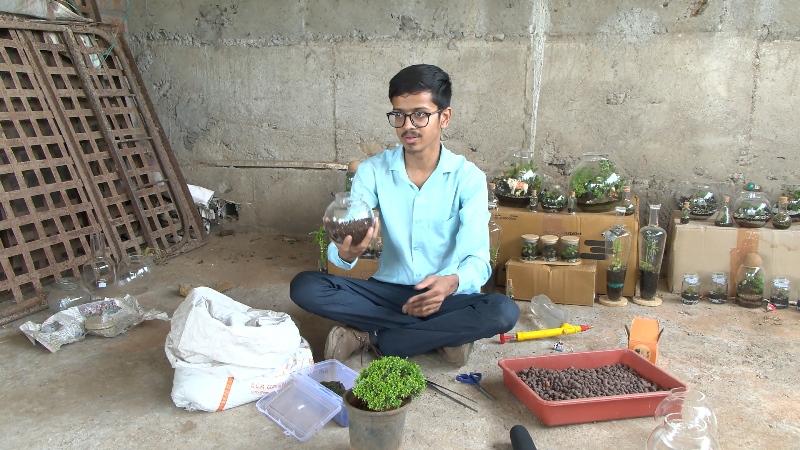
x=81, y=151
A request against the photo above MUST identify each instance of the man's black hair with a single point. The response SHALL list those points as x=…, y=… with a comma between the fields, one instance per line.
x=421, y=78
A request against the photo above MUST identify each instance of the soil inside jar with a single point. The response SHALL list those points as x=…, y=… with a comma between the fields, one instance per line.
x=648, y=284
x=749, y=300
x=780, y=301
x=574, y=383
x=689, y=298
x=355, y=228
x=615, y=281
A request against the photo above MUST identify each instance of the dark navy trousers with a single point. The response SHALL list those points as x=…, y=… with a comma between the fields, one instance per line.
x=376, y=307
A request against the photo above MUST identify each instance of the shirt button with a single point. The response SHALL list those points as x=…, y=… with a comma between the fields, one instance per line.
x=416, y=249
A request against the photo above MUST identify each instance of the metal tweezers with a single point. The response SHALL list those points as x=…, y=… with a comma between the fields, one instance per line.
x=441, y=390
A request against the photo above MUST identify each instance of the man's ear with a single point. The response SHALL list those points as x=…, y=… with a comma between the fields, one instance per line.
x=444, y=117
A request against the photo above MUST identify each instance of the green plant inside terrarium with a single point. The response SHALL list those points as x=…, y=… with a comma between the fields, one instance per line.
x=650, y=253
x=793, y=193
x=569, y=252
x=756, y=211
x=617, y=262
x=752, y=283
x=596, y=186
x=552, y=199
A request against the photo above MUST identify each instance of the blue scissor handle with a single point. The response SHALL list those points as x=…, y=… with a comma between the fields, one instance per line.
x=470, y=378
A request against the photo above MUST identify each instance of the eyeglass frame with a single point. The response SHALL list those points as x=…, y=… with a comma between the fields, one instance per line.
x=408, y=116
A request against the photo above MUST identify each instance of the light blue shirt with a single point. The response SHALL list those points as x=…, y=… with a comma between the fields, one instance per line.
x=439, y=229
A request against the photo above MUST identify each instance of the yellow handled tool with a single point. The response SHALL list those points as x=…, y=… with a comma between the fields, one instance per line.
x=566, y=328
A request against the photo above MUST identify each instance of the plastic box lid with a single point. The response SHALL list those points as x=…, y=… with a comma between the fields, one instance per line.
x=333, y=370
x=301, y=407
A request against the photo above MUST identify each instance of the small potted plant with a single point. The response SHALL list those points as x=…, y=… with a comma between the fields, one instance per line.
x=596, y=184
x=378, y=402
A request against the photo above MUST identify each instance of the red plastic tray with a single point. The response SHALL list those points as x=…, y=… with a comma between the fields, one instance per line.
x=593, y=409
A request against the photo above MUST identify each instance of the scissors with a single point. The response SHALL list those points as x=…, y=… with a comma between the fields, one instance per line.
x=474, y=378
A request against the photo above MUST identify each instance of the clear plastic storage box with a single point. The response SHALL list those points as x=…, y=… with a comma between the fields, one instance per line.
x=333, y=370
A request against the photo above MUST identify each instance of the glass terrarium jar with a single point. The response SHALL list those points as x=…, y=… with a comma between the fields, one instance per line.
x=752, y=208
x=596, y=184
x=570, y=248
x=690, y=289
x=549, y=247
x=703, y=200
x=652, y=240
x=552, y=197
x=99, y=275
x=347, y=216
x=718, y=291
x=627, y=201
x=782, y=220
x=724, y=217
x=530, y=244
x=66, y=293
x=617, y=248
x=792, y=194
x=678, y=432
x=750, y=282
x=780, y=290
x=516, y=185
x=134, y=275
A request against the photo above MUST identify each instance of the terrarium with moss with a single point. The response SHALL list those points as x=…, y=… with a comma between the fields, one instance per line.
x=517, y=184
x=792, y=193
x=703, y=200
x=752, y=208
x=750, y=282
x=552, y=197
x=596, y=183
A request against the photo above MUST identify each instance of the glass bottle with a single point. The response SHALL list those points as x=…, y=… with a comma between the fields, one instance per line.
x=718, y=292
x=572, y=203
x=792, y=194
x=569, y=248
x=750, y=282
x=347, y=216
x=99, y=275
x=724, y=217
x=685, y=213
x=533, y=202
x=652, y=240
x=492, y=198
x=690, y=289
x=627, y=201
x=780, y=291
x=549, y=247
x=530, y=243
x=618, y=247
x=782, y=220
x=676, y=432
x=134, y=275
x=66, y=293
x=510, y=288
x=352, y=166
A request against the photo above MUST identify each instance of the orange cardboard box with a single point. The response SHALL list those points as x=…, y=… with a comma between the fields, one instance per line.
x=514, y=222
x=571, y=285
x=643, y=337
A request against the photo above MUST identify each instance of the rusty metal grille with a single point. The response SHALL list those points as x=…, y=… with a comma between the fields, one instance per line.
x=81, y=152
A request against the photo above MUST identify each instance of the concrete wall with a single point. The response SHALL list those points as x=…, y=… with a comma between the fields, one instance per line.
x=673, y=90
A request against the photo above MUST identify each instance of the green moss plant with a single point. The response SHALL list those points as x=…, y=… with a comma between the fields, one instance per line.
x=388, y=382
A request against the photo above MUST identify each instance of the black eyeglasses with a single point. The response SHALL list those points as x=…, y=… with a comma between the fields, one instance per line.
x=419, y=119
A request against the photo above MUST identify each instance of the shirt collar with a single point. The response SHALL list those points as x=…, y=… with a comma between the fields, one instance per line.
x=448, y=161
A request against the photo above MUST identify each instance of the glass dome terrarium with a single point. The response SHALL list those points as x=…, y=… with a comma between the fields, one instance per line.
x=750, y=282
x=552, y=197
x=596, y=184
x=752, y=208
x=703, y=200
x=517, y=184
x=347, y=216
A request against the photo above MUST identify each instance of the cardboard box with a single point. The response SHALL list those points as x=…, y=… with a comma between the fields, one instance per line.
x=364, y=269
x=702, y=248
x=643, y=336
x=514, y=222
x=571, y=285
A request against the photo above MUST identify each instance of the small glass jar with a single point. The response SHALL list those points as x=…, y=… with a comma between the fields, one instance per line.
x=685, y=213
x=792, y=194
x=627, y=201
x=66, y=293
x=780, y=290
x=569, y=248
x=718, y=291
x=690, y=289
x=782, y=220
x=750, y=286
x=549, y=247
x=530, y=242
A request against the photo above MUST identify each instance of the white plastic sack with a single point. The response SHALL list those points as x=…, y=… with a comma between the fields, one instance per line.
x=226, y=354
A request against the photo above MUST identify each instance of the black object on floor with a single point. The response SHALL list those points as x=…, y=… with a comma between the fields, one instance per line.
x=521, y=439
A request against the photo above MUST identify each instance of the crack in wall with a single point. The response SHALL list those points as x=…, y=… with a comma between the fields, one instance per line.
x=746, y=155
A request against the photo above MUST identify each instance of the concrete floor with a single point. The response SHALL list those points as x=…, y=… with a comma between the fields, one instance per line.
x=104, y=393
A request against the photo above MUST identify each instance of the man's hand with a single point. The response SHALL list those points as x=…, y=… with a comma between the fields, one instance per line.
x=349, y=252
x=438, y=288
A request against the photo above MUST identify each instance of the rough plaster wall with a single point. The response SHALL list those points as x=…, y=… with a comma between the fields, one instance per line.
x=671, y=89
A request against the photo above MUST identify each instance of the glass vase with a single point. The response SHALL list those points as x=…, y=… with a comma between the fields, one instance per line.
x=99, y=275
x=676, y=433
x=347, y=216
x=134, y=276
x=596, y=183
x=617, y=247
x=690, y=405
x=652, y=240
x=724, y=217
x=66, y=293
